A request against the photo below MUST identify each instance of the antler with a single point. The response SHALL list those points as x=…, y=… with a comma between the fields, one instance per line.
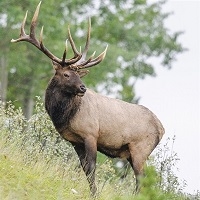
x=83, y=63
x=79, y=60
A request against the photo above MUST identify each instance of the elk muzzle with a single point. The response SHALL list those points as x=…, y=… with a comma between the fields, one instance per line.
x=81, y=91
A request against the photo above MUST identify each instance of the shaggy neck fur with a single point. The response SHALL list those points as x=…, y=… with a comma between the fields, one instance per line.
x=61, y=107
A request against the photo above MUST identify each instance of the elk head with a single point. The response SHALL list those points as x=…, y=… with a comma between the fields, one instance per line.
x=67, y=80
x=68, y=71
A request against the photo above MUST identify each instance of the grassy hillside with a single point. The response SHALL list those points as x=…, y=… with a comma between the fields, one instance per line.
x=19, y=181
x=39, y=179
x=35, y=163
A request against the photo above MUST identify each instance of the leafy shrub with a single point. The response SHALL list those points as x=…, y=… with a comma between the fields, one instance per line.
x=35, y=135
x=165, y=161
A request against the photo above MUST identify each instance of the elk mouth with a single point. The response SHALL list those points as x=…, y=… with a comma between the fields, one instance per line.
x=80, y=94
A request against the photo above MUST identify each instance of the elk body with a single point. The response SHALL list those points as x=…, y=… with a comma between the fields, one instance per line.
x=90, y=121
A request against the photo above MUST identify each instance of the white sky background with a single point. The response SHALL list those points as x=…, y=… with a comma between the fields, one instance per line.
x=174, y=94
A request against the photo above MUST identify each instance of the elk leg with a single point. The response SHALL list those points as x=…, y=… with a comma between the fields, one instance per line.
x=137, y=161
x=87, y=155
x=138, y=174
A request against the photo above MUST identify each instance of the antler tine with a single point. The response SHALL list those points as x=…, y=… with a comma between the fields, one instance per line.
x=70, y=61
x=23, y=24
x=34, y=22
x=87, y=61
x=84, y=54
x=88, y=39
x=22, y=33
x=95, y=61
x=76, y=53
x=65, y=53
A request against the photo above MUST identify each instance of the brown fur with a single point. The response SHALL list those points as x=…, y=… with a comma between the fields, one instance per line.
x=61, y=106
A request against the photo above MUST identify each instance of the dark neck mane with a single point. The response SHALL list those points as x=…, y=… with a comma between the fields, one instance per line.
x=61, y=107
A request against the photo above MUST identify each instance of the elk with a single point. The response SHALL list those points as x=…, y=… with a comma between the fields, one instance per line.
x=89, y=121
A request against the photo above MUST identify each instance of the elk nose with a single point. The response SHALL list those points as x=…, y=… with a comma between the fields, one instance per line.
x=83, y=88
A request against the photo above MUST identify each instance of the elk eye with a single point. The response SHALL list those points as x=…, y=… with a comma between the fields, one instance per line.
x=66, y=75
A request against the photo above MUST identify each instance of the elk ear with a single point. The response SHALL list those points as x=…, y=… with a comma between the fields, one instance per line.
x=56, y=66
x=82, y=73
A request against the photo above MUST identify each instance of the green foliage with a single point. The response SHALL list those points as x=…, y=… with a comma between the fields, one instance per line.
x=134, y=30
x=166, y=162
x=150, y=189
x=135, y=33
x=36, y=162
x=36, y=134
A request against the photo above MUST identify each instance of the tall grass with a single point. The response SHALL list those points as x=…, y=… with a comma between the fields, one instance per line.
x=36, y=163
x=39, y=179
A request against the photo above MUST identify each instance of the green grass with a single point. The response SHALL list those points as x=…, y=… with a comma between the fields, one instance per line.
x=39, y=180
x=44, y=180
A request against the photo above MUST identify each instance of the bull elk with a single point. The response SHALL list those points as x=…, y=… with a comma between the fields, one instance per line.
x=89, y=121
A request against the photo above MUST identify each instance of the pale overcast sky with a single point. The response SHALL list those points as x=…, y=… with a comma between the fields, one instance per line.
x=174, y=94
